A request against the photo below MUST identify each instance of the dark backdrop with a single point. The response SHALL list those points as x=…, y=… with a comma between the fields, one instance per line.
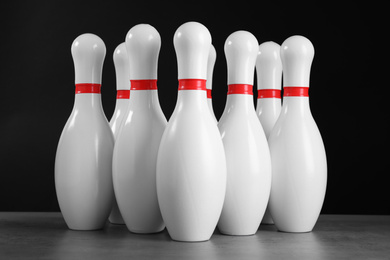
x=347, y=92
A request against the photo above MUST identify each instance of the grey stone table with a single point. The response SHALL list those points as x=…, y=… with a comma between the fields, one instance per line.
x=46, y=236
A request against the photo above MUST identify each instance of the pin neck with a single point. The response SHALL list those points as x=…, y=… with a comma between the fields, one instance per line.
x=240, y=102
x=144, y=99
x=143, y=93
x=269, y=93
x=296, y=99
x=296, y=103
x=121, y=103
x=143, y=84
x=290, y=91
x=192, y=84
x=209, y=94
x=240, y=97
x=122, y=94
x=245, y=89
x=192, y=94
x=88, y=102
x=88, y=88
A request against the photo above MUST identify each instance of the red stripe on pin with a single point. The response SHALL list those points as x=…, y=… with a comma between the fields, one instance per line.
x=295, y=91
x=143, y=84
x=208, y=93
x=123, y=94
x=240, y=89
x=82, y=88
x=269, y=93
x=192, y=84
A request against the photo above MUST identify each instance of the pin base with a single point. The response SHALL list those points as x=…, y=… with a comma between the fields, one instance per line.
x=85, y=229
x=240, y=234
x=294, y=231
x=190, y=241
x=145, y=232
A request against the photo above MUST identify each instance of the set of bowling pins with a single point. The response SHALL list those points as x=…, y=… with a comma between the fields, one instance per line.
x=192, y=173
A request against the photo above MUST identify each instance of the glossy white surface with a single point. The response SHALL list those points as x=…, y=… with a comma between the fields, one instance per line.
x=192, y=50
x=121, y=62
x=191, y=165
x=122, y=67
x=88, y=52
x=299, y=168
x=143, y=44
x=209, y=83
x=268, y=110
x=191, y=170
x=240, y=70
x=269, y=66
x=297, y=53
x=269, y=76
x=246, y=148
x=83, y=177
x=135, y=152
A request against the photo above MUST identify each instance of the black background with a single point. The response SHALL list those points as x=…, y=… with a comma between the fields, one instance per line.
x=347, y=88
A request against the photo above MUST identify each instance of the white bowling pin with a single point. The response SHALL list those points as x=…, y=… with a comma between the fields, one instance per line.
x=191, y=165
x=269, y=83
x=135, y=152
x=209, y=82
x=299, y=169
x=246, y=148
x=83, y=176
x=121, y=63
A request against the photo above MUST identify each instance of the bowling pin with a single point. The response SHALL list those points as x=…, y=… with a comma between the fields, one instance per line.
x=299, y=168
x=121, y=63
x=83, y=176
x=191, y=165
x=269, y=82
x=246, y=148
x=135, y=152
x=209, y=82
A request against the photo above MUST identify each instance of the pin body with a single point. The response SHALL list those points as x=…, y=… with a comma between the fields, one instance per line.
x=269, y=83
x=209, y=82
x=191, y=166
x=83, y=176
x=299, y=165
x=121, y=63
x=135, y=152
x=246, y=148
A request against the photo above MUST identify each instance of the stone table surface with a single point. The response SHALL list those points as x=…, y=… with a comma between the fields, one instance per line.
x=44, y=235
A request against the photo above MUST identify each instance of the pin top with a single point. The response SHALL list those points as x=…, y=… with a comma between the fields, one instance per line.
x=210, y=67
x=192, y=41
x=121, y=62
x=88, y=52
x=269, y=66
x=297, y=53
x=241, y=49
x=143, y=44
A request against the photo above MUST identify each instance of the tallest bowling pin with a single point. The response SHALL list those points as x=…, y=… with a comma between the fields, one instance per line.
x=191, y=164
x=299, y=169
x=136, y=147
x=83, y=176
